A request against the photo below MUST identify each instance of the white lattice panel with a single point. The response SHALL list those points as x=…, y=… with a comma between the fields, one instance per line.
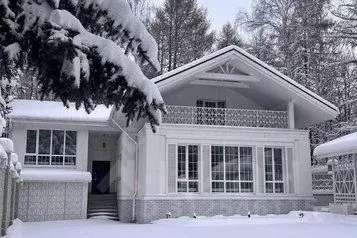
x=226, y=117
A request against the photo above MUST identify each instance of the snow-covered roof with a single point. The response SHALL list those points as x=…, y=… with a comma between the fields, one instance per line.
x=55, y=175
x=340, y=146
x=55, y=111
x=272, y=85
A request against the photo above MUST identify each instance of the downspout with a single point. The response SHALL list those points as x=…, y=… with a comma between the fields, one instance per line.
x=133, y=214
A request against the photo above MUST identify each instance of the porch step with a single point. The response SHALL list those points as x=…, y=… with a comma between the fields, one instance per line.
x=103, y=207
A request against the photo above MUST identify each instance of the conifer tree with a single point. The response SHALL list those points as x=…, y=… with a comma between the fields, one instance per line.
x=83, y=51
x=228, y=36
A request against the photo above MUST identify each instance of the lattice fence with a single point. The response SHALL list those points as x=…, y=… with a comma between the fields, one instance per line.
x=226, y=117
x=345, y=180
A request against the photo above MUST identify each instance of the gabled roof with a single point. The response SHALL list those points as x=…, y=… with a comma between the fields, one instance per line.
x=279, y=84
x=55, y=111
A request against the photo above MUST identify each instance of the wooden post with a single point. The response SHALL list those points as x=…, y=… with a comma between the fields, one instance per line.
x=291, y=115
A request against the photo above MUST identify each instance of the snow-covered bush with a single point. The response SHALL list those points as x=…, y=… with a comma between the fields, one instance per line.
x=85, y=51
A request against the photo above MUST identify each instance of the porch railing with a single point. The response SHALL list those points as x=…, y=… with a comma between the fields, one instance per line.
x=225, y=117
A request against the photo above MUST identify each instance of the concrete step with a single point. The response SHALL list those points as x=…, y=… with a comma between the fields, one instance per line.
x=103, y=207
x=103, y=210
x=105, y=218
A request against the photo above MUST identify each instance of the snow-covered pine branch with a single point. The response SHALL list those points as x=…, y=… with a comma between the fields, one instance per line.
x=85, y=51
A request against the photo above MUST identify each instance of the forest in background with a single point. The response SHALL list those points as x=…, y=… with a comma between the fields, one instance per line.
x=312, y=42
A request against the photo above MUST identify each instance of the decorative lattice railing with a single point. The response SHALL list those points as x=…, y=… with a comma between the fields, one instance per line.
x=225, y=117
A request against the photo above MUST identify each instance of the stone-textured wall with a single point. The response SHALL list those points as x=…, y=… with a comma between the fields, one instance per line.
x=125, y=210
x=150, y=210
x=323, y=199
x=48, y=201
x=8, y=197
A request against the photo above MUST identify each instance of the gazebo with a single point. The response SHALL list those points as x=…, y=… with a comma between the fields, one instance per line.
x=342, y=164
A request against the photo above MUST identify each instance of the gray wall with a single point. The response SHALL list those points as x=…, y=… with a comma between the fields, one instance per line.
x=45, y=201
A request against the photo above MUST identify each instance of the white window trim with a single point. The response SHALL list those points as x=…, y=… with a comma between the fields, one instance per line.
x=187, y=180
x=283, y=160
x=224, y=169
x=50, y=154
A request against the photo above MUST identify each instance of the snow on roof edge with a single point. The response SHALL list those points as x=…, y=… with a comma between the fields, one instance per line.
x=55, y=111
x=341, y=146
x=227, y=49
x=55, y=175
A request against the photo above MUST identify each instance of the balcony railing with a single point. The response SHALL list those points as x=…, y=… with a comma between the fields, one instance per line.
x=225, y=117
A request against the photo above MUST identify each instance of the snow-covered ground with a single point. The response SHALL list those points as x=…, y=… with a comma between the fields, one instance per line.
x=313, y=224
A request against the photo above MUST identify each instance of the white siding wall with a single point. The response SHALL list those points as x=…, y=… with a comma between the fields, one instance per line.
x=190, y=94
x=153, y=159
x=126, y=167
x=19, y=137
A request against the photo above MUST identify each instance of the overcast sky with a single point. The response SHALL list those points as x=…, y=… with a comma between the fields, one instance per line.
x=222, y=11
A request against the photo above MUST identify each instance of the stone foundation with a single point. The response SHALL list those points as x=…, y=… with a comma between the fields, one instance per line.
x=49, y=201
x=150, y=210
x=323, y=199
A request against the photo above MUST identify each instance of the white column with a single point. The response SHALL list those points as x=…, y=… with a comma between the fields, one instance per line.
x=291, y=115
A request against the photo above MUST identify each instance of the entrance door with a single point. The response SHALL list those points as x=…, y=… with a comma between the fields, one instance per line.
x=101, y=177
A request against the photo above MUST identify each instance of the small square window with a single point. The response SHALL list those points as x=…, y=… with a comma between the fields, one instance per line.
x=232, y=187
x=43, y=160
x=193, y=187
x=218, y=187
x=57, y=160
x=269, y=188
x=70, y=161
x=182, y=187
x=30, y=160
x=279, y=188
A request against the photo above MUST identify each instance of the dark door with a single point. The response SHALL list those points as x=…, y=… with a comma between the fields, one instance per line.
x=101, y=175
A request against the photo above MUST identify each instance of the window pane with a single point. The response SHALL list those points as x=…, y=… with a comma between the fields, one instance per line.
x=269, y=188
x=30, y=159
x=31, y=141
x=57, y=160
x=43, y=160
x=232, y=187
x=182, y=187
x=44, y=142
x=246, y=164
x=246, y=187
x=57, y=142
x=217, y=163
x=192, y=162
x=278, y=164
x=268, y=152
x=181, y=162
x=232, y=166
x=193, y=187
x=71, y=142
x=218, y=187
x=279, y=188
x=70, y=161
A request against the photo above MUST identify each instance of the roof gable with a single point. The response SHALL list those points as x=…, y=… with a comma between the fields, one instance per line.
x=249, y=70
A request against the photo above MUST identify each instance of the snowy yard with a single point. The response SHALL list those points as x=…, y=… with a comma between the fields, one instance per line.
x=313, y=224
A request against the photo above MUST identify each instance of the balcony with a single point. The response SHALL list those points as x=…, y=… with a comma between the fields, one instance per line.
x=226, y=117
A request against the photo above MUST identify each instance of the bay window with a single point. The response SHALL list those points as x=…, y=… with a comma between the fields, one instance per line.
x=51, y=148
x=231, y=169
x=274, y=176
x=187, y=169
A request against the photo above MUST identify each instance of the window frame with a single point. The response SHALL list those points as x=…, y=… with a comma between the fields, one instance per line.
x=283, y=166
x=50, y=155
x=187, y=180
x=225, y=181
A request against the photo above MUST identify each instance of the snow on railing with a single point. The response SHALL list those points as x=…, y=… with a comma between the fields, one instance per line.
x=225, y=117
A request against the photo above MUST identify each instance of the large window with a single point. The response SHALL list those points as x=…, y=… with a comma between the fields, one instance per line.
x=274, y=176
x=187, y=169
x=51, y=147
x=231, y=169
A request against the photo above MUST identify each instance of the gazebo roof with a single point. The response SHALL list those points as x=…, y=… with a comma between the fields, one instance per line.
x=340, y=146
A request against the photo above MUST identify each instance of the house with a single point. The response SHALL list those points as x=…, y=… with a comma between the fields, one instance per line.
x=341, y=156
x=233, y=142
